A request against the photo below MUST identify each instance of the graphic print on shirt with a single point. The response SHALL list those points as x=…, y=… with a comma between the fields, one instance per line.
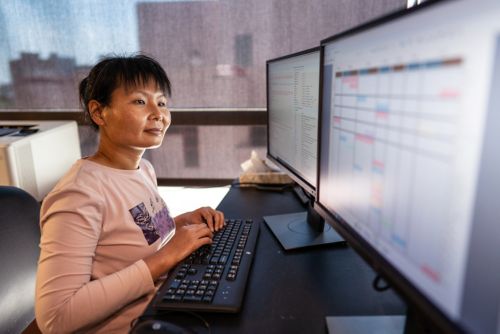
x=154, y=224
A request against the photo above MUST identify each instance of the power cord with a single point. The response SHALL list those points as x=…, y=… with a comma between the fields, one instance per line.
x=377, y=284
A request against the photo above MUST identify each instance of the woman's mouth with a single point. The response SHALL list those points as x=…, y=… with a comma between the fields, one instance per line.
x=154, y=131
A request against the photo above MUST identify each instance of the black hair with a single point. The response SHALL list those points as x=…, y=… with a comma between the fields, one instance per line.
x=114, y=71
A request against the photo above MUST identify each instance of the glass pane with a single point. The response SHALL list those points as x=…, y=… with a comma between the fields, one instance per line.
x=214, y=51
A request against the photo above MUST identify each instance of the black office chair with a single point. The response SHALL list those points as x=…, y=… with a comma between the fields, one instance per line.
x=19, y=251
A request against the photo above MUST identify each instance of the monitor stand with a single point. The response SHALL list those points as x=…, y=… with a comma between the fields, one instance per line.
x=411, y=323
x=376, y=324
x=302, y=229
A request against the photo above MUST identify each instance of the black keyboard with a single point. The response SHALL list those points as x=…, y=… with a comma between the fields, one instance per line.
x=213, y=278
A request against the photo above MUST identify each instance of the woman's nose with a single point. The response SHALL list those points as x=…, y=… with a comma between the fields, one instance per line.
x=157, y=113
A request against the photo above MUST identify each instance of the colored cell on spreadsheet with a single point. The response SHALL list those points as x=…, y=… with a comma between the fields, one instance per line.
x=378, y=165
x=429, y=272
x=365, y=139
x=398, y=241
x=449, y=93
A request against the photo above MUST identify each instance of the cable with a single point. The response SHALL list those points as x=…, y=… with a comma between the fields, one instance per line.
x=377, y=285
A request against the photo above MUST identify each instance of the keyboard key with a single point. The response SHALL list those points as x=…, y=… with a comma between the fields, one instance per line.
x=175, y=283
x=169, y=297
x=192, y=298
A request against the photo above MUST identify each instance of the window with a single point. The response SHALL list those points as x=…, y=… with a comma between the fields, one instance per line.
x=214, y=52
x=243, y=50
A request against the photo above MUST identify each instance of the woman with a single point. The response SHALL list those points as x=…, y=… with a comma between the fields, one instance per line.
x=107, y=235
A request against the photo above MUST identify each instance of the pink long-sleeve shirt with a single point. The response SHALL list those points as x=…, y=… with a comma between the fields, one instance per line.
x=97, y=225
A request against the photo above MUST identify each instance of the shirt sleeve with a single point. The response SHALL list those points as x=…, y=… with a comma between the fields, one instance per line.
x=67, y=298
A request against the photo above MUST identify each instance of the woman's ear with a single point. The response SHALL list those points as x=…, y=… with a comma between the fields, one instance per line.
x=95, y=111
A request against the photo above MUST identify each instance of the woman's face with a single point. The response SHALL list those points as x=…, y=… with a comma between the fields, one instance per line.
x=136, y=118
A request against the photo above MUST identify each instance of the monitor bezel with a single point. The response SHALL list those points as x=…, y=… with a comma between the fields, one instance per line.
x=294, y=174
x=389, y=272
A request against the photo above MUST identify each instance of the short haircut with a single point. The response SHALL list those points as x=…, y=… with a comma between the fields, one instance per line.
x=115, y=71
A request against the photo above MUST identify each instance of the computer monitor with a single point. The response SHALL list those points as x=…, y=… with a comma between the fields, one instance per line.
x=409, y=159
x=292, y=113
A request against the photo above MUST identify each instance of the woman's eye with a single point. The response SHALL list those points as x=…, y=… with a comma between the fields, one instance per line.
x=162, y=104
x=140, y=101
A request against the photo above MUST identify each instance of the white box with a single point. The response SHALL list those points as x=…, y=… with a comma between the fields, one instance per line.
x=37, y=154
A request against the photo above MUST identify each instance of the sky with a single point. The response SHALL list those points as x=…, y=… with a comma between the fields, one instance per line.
x=81, y=29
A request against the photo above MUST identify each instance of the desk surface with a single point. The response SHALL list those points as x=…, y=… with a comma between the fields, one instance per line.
x=293, y=291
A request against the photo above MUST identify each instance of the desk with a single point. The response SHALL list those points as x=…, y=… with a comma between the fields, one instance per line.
x=292, y=292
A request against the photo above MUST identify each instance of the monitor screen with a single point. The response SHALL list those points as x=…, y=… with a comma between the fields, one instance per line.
x=292, y=123
x=292, y=106
x=408, y=160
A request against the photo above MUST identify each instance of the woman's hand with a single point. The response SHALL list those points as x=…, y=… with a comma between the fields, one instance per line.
x=193, y=230
x=212, y=218
x=187, y=239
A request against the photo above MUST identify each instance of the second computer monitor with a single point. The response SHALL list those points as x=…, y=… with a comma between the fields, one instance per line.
x=292, y=105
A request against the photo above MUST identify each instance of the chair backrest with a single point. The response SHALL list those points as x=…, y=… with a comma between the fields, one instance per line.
x=19, y=251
